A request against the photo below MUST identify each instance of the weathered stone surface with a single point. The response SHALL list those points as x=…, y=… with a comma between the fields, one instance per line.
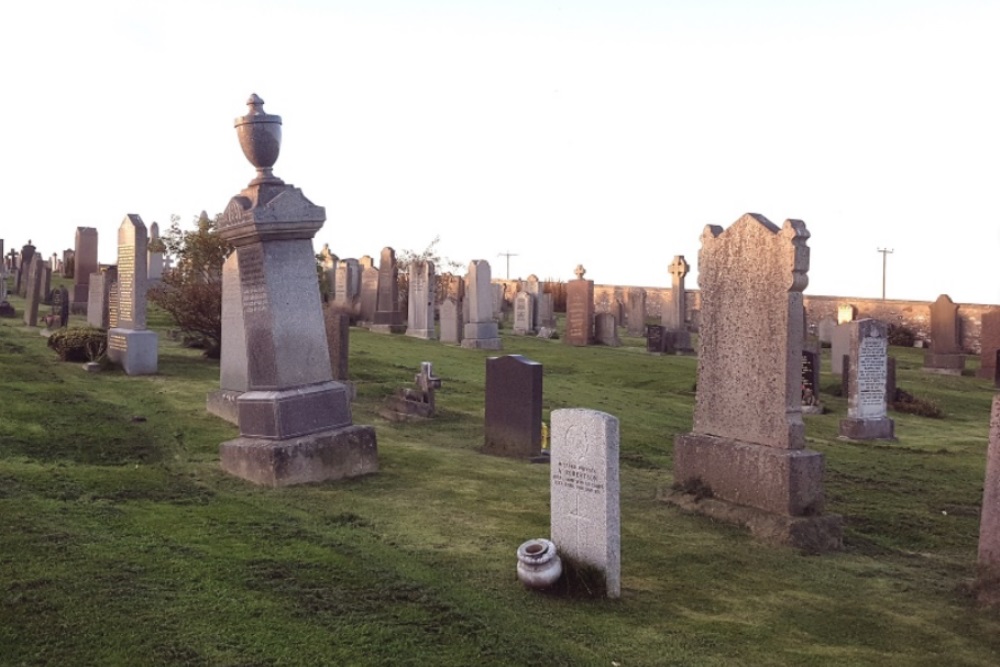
x=989, y=342
x=867, y=373
x=33, y=290
x=579, y=312
x=674, y=316
x=513, y=406
x=840, y=343
x=369, y=294
x=606, y=328
x=338, y=332
x=451, y=321
x=824, y=330
x=635, y=316
x=524, y=313
x=420, y=304
x=989, y=522
x=388, y=317
x=84, y=262
x=21, y=278
x=481, y=331
x=545, y=311
x=130, y=344
x=747, y=444
x=154, y=261
x=945, y=355
x=846, y=313
x=585, y=489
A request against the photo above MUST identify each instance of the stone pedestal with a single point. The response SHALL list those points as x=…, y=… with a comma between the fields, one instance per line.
x=135, y=351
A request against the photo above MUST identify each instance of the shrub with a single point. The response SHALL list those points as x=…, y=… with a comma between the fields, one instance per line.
x=79, y=343
x=901, y=336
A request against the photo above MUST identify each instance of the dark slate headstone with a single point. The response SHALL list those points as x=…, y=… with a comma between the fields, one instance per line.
x=513, y=406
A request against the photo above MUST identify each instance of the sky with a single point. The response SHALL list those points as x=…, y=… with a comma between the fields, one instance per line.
x=607, y=134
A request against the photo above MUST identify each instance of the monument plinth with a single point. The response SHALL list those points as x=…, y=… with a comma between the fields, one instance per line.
x=295, y=420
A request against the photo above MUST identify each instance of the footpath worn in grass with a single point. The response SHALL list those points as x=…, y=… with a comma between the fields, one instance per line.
x=121, y=542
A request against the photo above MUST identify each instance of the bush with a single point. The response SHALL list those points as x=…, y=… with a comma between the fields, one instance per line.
x=79, y=343
x=901, y=336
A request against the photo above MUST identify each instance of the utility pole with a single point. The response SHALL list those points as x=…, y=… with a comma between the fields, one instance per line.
x=885, y=252
x=508, y=255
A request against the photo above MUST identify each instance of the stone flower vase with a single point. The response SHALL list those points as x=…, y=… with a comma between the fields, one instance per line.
x=538, y=564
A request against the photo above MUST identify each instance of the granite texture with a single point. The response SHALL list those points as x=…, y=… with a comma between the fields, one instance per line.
x=513, y=424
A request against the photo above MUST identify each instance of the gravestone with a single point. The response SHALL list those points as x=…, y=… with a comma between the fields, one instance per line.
x=68, y=263
x=579, y=310
x=658, y=341
x=420, y=304
x=747, y=446
x=130, y=344
x=388, y=317
x=417, y=403
x=24, y=266
x=810, y=383
x=846, y=313
x=524, y=313
x=369, y=294
x=63, y=301
x=155, y=248
x=606, y=330
x=988, y=565
x=113, y=305
x=585, y=489
x=33, y=289
x=295, y=420
x=451, y=321
x=347, y=286
x=338, y=332
x=945, y=354
x=328, y=263
x=989, y=344
x=824, y=330
x=674, y=316
x=545, y=311
x=99, y=298
x=85, y=263
x=233, y=353
x=635, y=318
x=867, y=373
x=840, y=343
x=481, y=331
x=513, y=406
x=46, y=283
x=534, y=287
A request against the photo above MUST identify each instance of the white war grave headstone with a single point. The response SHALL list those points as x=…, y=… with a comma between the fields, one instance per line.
x=584, y=484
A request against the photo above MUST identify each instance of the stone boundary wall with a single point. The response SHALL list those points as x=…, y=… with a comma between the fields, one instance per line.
x=914, y=315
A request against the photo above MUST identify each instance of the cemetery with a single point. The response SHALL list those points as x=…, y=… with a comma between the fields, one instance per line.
x=598, y=483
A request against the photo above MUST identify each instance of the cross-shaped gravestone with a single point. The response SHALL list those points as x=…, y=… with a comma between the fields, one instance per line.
x=579, y=271
x=678, y=269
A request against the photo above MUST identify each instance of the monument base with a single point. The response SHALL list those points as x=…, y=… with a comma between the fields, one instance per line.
x=786, y=482
x=987, y=585
x=482, y=343
x=426, y=334
x=945, y=364
x=222, y=404
x=814, y=534
x=135, y=351
x=296, y=412
x=868, y=429
x=350, y=451
x=387, y=328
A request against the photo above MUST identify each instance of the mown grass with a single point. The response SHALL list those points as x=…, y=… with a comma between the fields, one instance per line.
x=121, y=542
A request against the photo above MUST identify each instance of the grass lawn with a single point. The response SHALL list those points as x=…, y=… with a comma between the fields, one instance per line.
x=122, y=543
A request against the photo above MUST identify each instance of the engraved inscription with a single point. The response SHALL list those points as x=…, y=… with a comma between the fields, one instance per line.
x=871, y=376
x=117, y=342
x=126, y=282
x=253, y=287
x=113, y=318
x=578, y=477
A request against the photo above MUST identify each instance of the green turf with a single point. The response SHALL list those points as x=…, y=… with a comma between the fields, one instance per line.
x=121, y=542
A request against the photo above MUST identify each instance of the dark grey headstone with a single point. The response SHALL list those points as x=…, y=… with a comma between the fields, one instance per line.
x=513, y=406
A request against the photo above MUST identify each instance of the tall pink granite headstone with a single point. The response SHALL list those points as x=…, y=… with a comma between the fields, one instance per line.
x=84, y=264
x=945, y=355
x=988, y=584
x=747, y=447
x=579, y=310
x=295, y=420
x=388, y=317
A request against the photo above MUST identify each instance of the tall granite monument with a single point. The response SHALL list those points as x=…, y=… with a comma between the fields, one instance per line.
x=745, y=460
x=481, y=330
x=130, y=343
x=295, y=420
x=579, y=309
x=420, y=304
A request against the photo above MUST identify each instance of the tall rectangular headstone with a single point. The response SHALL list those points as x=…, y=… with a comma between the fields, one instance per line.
x=635, y=316
x=233, y=381
x=85, y=263
x=988, y=565
x=388, y=317
x=747, y=445
x=481, y=331
x=585, y=489
x=130, y=344
x=524, y=313
x=989, y=343
x=545, y=311
x=295, y=419
x=840, y=343
x=338, y=337
x=33, y=290
x=606, y=330
x=513, y=406
x=579, y=310
x=451, y=321
x=945, y=355
x=867, y=373
x=24, y=266
x=155, y=248
x=420, y=304
x=98, y=301
x=534, y=287
x=68, y=262
x=369, y=294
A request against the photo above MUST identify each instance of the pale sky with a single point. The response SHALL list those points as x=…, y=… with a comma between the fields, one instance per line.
x=606, y=134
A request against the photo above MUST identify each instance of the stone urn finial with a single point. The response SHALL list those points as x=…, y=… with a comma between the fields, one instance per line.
x=579, y=271
x=260, y=139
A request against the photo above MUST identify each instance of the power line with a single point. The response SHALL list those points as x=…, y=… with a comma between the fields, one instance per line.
x=508, y=255
x=885, y=252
